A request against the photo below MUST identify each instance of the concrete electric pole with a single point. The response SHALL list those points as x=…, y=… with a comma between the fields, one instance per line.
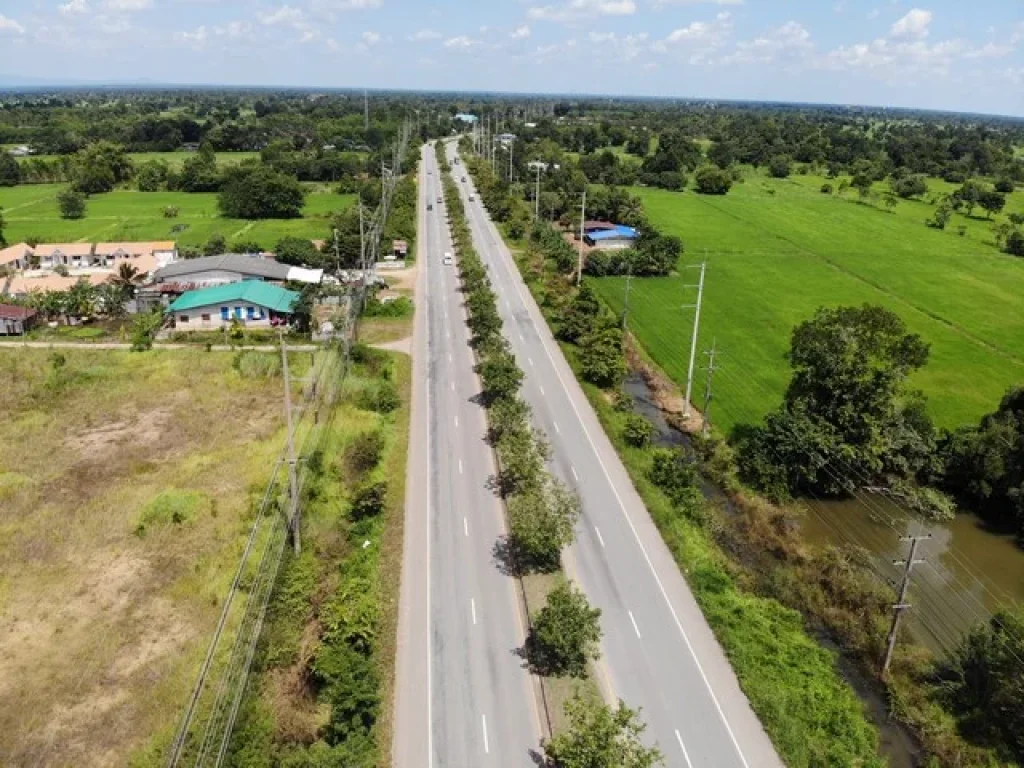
x=583, y=216
x=693, y=340
x=705, y=428
x=293, y=485
x=901, y=602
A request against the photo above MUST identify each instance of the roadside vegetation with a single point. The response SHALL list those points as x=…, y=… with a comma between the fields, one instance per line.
x=127, y=485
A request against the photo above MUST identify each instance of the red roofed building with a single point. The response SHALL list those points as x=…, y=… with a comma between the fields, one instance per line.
x=15, y=320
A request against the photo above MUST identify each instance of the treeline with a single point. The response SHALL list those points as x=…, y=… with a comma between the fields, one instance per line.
x=230, y=121
x=542, y=512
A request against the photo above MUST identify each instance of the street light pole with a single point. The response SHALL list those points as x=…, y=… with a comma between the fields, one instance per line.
x=583, y=215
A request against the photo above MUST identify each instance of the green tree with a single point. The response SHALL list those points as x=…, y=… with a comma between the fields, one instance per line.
x=940, y=216
x=500, y=375
x=602, y=361
x=100, y=166
x=299, y=252
x=10, y=170
x=599, y=737
x=862, y=183
x=522, y=456
x=216, y=245
x=369, y=501
x=151, y=176
x=780, y=166
x=565, y=634
x=992, y=201
x=847, y=408
x=199, y=173
x=909, y=186
x=1015, y=243
x=71, y=203
x=676, y=475
x=260, y=192
x=579, y=316
x=541, y=522
x=712, y=180
x=985, y=683
x=1004, y=185
x=127, y=278
x=3, y=239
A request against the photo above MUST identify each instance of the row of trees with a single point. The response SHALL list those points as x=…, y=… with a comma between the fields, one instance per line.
x=542, y=512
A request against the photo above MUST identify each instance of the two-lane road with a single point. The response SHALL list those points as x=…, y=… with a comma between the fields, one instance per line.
x=462, y=695
x=658, y=650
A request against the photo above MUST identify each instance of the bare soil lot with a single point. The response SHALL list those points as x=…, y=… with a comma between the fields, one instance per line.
x=126, y=484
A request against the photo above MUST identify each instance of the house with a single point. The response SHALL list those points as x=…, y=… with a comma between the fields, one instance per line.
x=24, y=284
x=14, y=320
x=593, y=225
x=466, y=118
x=21, y=151
x=145, y=257
x=251, y=302
x=611, y=239
x=226, y=268
x=399, y=250
x=16, y=257
x=506, y=138
x=71, y=255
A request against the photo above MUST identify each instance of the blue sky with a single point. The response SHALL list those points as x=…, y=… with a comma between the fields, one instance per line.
x=942, y=54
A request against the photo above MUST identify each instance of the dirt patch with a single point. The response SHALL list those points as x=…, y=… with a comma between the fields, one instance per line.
x=664, y=392
x=144, y=429
x=401, y=281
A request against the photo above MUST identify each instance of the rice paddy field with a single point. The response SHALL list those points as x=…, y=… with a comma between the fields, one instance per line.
x=30, y=212
x=777, y=249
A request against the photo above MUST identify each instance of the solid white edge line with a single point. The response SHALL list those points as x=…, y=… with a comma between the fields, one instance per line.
x=487, y=746
x=599, y=536
x=625, y=512
x=635, y=627
x=430, y=652
x=682, y=746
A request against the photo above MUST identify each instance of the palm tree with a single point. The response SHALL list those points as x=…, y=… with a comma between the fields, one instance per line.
x=128, y=278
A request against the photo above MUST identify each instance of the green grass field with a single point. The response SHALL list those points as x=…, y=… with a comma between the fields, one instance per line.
x=31, y=213
x=173, y=159
x=779, y=249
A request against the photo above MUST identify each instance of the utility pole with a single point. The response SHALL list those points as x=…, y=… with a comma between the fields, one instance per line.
x=510, y=162
x=693, y=340
x=536, y=195
x=579, y=260
x=901, y=601
x=293, y=485
x=625, y=308
x=337, y=251
x=706, y=424
x=366, y=111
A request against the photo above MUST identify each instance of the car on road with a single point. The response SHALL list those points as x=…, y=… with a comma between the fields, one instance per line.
x=463, y=178
x=430, y=206
x=471, y=198
x=439, y=200
x=447, y=260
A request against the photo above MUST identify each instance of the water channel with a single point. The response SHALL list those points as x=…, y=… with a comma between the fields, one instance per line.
x=968, y=572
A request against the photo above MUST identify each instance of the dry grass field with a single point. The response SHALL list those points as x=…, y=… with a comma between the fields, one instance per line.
x=127, y=482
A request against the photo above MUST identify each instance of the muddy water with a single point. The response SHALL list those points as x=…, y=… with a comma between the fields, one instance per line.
x=968, y=573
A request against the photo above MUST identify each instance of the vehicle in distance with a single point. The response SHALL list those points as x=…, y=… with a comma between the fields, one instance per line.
x=447, y=259
x=430, y=206
x=463, y=178
x=471, y=198
x=438, y=199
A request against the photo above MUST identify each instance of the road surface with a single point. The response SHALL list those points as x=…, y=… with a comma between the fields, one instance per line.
x=658, y=652
x=463, y=697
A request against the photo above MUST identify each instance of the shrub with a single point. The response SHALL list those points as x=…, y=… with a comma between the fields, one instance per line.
x=170, y=507
x=400, y=307
x=712, y=180
x=256, y=365
x=826, y=189
x=1015, y=243
x=638, y=431
x=675, y=475
x=382, y=398
x=369, y=500
x=170, y=211
x=364, y=453
x=71, y=203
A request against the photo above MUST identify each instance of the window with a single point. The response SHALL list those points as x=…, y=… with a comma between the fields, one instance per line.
x=206, y=318
x=250, y=313
x=183, y=319
x=223, y=313
x=238, y=313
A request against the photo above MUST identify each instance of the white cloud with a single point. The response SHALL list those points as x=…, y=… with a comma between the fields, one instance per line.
x=703, y=32
x=10, y=25
x=626, y=47
x=601, y=37
x=346, y=5
x=73, y=6
x=791, y=40
x=912, y=26
x=578, y=9
x=233, y=29
x=520, y=33
x=460, y=42
x=128, y=5
x=1018, y=33
x=424, y=34
x=990, y=50
x=370, y=38
x=196, y=37
x=286, y=14
x=113, y=25
x=661, y=3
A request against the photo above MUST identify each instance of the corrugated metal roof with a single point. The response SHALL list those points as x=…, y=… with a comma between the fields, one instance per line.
x=229, y=262
x=253, y=291
x=620, y=232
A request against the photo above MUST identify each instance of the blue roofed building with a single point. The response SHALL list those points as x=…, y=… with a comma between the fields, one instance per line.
x=615, y=237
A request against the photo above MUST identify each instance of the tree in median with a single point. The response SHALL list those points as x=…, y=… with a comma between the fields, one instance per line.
x=71, y=203
x=565, y=634
x=260, y=192
x=542, y=522
x=500, y=375
x=600, y=737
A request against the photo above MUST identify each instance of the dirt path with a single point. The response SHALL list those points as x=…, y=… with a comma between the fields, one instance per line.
x=399, y=345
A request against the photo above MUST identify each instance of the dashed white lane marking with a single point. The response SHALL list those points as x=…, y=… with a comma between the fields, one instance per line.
x=465, y=526
x=460, y=466
x=542, y=391
x=682, y=746
x=472, y=608
x=449, y=357
x=635, y=627
x=577, y=477
x=530, y=361
x=487, y=747
x=556, y=427
x=456, y=422
x=453, y=386
x=599, y=537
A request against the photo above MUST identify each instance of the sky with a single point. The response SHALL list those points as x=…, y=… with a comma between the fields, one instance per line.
x=935, y=54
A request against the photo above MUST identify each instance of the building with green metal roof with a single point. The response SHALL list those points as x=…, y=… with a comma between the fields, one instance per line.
x=251, y=302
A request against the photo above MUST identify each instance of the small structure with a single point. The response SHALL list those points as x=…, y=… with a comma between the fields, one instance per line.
x=20, y=151
x=15, y=320
x=611, y=239
x=466, y=118
x=399, y=250
x=71, y=255
x=250, y=302
x=16, y=257
x=594, y=225
x=506, y=138
x=229, y=268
